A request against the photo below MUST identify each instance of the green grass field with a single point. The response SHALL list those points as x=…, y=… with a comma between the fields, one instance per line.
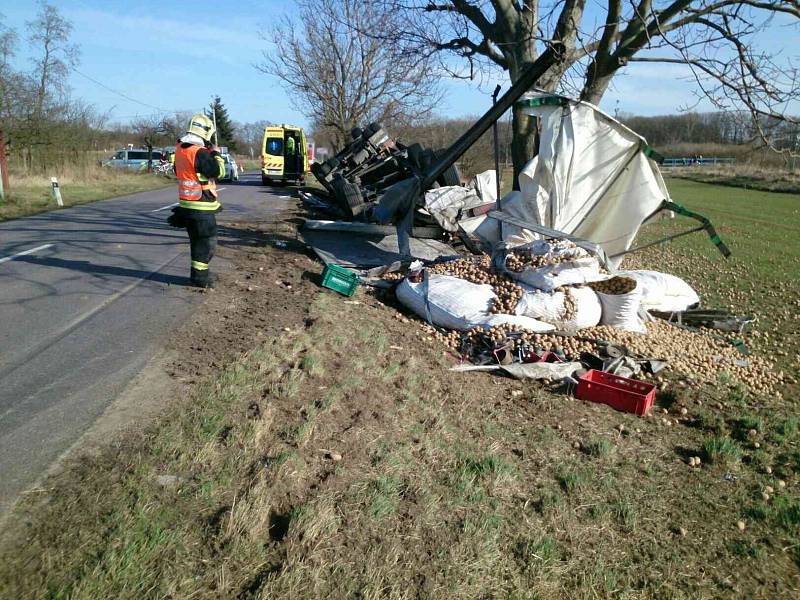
x=369, y=470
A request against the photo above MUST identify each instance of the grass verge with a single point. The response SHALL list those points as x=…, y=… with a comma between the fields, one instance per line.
x=32, y=195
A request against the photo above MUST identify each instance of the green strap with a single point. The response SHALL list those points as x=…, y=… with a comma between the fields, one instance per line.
x=652, y=154
x=709, y=228
x=543, y=101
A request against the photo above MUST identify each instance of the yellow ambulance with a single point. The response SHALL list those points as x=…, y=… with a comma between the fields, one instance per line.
x=284, y=155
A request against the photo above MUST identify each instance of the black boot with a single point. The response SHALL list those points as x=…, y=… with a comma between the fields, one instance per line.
x=202, y=279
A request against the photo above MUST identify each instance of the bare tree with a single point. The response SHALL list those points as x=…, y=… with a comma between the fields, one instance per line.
x=341, y=73
x=154, y=131
x=50, y=34
x=250, y=135
x=8, y=43
x=582, y=52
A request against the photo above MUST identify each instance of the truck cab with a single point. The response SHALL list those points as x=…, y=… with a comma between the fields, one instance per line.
x=284, y=155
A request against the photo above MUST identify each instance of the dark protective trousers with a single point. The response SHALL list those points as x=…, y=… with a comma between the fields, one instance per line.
x=202, y=229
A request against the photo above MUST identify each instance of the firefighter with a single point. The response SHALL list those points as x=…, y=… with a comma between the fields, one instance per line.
x=198, y=164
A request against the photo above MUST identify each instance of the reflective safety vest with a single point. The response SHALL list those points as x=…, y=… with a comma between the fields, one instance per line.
x=195, y=191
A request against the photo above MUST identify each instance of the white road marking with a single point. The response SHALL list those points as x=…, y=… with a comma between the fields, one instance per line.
x=165, y=207
x=31, y=251
x=220, y=189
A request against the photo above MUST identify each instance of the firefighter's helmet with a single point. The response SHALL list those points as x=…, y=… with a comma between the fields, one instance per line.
x=201, y=125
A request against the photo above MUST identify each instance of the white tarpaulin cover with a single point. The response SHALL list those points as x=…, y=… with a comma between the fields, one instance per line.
x=485, y=185
x=591, y=179
x=445, y=204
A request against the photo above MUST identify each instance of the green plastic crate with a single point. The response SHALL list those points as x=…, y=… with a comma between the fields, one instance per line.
x=340, y=280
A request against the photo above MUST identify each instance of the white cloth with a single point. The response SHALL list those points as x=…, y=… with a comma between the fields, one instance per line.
x=192, y=138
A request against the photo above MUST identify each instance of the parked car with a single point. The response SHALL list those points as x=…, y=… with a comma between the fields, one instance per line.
x=133, y=159
x=231, y=168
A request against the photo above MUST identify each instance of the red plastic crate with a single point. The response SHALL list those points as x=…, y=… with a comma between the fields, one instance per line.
x=621, y=393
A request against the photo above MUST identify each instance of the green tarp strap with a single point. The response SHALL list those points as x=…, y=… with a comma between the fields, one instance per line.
x=709, y=228
x=543, y=101
x=652, y=154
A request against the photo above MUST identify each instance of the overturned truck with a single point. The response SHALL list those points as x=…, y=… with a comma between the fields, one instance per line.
x=358, y=175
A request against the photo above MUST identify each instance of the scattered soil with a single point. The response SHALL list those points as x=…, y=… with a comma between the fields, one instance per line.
x=273, y=279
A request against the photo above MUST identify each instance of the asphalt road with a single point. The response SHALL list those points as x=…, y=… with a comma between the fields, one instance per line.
x=87, y=296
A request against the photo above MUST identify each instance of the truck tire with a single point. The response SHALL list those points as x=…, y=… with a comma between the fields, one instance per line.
x=452, y=176
x=426, y=159
x=348, y=195
x=319, y=171
x=373, y=127
x=414, y=153
x=356, y=133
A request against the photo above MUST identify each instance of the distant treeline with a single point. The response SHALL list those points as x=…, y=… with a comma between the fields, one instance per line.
x=710, y=128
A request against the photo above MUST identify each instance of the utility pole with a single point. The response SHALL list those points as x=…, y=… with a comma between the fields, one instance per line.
x=214, y=118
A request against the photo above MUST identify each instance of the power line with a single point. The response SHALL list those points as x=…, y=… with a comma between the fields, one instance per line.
x=120, y=94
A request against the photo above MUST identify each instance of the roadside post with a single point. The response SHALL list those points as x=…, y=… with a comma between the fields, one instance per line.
x=56, y=191
x=3, y=167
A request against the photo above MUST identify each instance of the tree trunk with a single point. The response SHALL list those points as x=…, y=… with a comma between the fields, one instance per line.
x=524, y=140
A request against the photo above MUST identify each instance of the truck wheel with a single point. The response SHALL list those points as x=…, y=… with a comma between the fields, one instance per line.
x=451, y=176
x=348, y=194
x=414, y=152
x=356, y=133
x=320, y=170
x=426, y=159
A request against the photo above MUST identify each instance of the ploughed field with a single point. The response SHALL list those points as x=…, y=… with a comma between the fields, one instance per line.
x=332, y=454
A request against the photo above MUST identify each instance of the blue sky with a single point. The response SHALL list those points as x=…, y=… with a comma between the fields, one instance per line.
x=174, y=56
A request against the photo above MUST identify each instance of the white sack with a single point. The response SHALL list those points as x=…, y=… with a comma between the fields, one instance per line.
x=511, y=234
x=518, y=320
x=578, y=271
x=582, y=268
x=662, y=291
x=458, y=304
x=549, y=307
x=622, y=310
